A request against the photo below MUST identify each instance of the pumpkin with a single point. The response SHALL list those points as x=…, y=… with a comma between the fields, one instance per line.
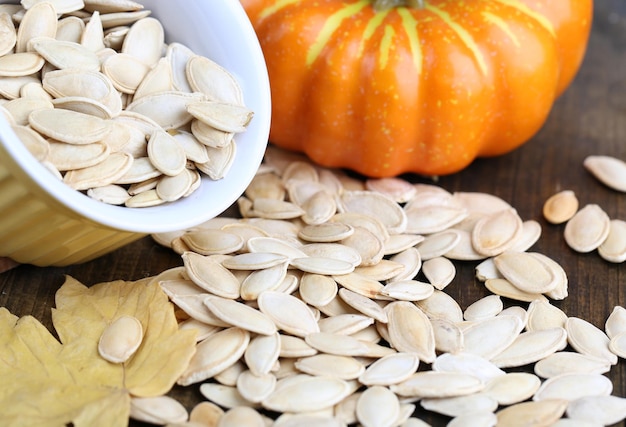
x=386, y=87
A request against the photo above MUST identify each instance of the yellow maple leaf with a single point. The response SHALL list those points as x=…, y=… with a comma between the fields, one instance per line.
x=50, y=383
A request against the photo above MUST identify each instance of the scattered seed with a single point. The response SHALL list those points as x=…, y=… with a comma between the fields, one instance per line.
x=120, y=339
x=560, y=207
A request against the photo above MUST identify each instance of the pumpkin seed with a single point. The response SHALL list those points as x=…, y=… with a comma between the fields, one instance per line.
x=253, y=261
x=560, y=207
x=225, y=396
x=506, y=289
x=588, y=339
x=457, y=406
x=496, y=233
x=483, y=203
x=274, y=245
x=574, y=386
x=512, y=388
x=110, y=194
x=193, y=305
x=210, y=275
x=433, y=219
x=106, y=172
x=436, y=384
x=331, y=365
x=616, y=322
x=266, y=279
x=467, y=363
x=68, y=126
x=410, y=330
x=407, y=290
x=206, y=76
x=120, y=339
x=289, y=313
x=526, y=272
x=369, y=247
x=376, y=205
x=305, y=393
x=322, y=265
x=567, y=362
x=39, y=20
x=384, y=270
x=439, y=271
x=529, y=347
x=237, y=314
x=206, y=413
x=490, y=337
x=255, y=388
x=215, y=354
x=356, y=219
x=610, y=171
x=441, y=305
x=543, y=315
x=317, y=289
x=484, y=308
x=448, y=336
x=157, y=410
x=63, y=54
x=60, y=6
x=377, y=406
x=337, y=344
x=363, y=304
x=293, y=347
x=263, y=352
x=588, y=229
x=241, y=416
x=612, y=249
x=463, y=250
x=478, y=419
x=544, y=412
x=605, y=410
x=345, y=324
x=412, y=261
x=390, y=369
x=400, y=242
x=93, y=33
x=326, y=232
x=222, y=116
x=359, y=284
x=34, y=142
x=212, y=242
x=9, y=34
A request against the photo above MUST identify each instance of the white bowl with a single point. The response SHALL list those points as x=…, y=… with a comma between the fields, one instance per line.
x=45, y=222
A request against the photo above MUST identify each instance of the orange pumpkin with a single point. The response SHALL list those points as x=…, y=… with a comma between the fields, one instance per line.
x=425, y=87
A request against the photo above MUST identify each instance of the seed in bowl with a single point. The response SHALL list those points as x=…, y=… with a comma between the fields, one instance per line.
x=115, y=109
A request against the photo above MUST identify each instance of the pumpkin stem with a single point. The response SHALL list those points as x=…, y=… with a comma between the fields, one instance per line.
x=380, y=5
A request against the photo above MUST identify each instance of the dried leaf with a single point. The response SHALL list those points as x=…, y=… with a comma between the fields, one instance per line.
x=52, y=383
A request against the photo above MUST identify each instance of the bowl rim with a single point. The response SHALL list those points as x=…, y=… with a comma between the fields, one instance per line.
x=190, y=211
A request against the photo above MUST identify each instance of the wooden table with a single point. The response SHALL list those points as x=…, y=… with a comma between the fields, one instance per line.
x=590, y=118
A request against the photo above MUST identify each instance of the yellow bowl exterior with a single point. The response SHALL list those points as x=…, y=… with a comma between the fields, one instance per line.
x=35, y=229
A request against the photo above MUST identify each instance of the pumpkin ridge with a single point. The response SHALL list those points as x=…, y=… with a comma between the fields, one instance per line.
x=464, y=36
x=410, y=27
x=370, y=28
x=270, y=10
x=542, y=20
x=501, y=24
x=385, y=45
x=330, y=26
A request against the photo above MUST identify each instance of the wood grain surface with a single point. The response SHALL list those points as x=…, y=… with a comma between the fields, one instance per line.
x=588, y=119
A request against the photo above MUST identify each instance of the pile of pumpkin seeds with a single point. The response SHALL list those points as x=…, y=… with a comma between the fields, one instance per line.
x=97, y=96
x=310, y=310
